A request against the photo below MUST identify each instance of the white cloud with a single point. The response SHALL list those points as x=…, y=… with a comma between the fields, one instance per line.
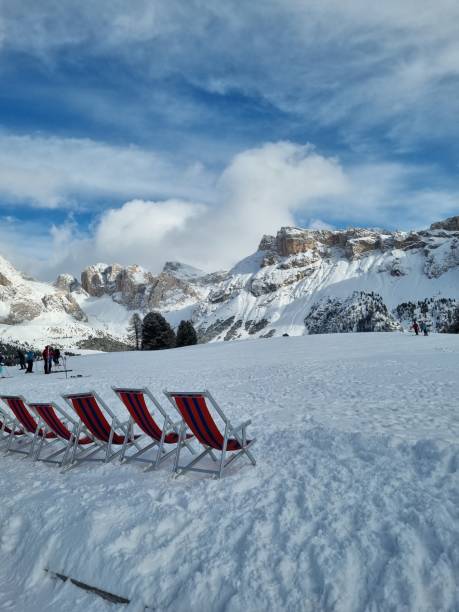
x=51, y=172
x=261, y=190
x=258, y=192
x=140, y=230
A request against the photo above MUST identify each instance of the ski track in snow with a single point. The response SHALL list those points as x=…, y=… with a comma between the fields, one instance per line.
x=353, y=504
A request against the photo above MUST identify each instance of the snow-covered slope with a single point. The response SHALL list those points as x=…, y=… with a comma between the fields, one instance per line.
x=281, y=288
x=37, y=313
x=353, y=504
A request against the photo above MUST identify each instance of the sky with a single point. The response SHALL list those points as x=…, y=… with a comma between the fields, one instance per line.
x=156, y=130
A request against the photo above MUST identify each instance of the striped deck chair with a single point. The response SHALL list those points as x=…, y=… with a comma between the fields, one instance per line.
x=140, y=415
x=54, y=418
x=28, y=425
x=194, y=409
x=8, y=427
x=93, y=422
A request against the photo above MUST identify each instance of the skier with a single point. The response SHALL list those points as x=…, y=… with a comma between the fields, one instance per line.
x=48, y=358
x=424, y=328
x=22, y=360
x=415, y=327
x=30, y=356
x=56, y=356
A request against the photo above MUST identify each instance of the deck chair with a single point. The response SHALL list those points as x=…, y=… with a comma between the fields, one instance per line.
x=29, y=426
x=135, y=403
x=93, y=422
x=54, y=418
x=8, y=427
x=194, y=409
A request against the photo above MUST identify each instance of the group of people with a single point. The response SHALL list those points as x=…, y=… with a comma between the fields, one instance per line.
x=50, y=356
x=420, y=328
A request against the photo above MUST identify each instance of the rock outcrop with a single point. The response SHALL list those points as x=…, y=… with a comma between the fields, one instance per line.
x=138, y=289
x=67, y=282
x=451, y=224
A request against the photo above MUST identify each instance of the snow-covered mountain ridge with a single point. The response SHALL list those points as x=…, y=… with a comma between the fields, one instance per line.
x=299, y=281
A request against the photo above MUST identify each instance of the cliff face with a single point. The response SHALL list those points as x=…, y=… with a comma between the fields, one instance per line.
x=298, y=281
x=137, y=289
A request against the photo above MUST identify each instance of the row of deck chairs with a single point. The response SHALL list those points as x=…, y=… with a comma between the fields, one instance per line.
x=92, y=432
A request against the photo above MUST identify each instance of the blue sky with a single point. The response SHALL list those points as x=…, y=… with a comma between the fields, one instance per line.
x=145, y=131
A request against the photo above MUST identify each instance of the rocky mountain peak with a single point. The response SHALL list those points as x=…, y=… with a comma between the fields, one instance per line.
x=351, y=243
x=451, y=224
x=182, y=271
x=67, y=282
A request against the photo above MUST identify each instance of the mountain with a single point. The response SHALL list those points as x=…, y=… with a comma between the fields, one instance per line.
x=299, y=281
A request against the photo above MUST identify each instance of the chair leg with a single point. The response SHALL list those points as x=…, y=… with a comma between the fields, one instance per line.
x=83, y=457
x=179, y=448
x=130, y=435
x=67, y=450
x=75, y=443
x=223, y=452
x=250, y=456
x=196, y=460
x=160, y=449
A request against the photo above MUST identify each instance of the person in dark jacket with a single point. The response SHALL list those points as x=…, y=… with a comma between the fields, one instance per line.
x=30, y=356
x=22, y=359
x=48, y=358
x=56, y=356
x=415, y=327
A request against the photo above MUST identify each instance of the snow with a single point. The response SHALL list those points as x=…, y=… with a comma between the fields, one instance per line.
x=353, y=504
x=253, y=298
x=104, y=314
x=182, y=271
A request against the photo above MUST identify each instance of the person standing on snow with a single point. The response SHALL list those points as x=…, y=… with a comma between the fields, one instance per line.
x=22, y=359
x=48, y=358
x=30, y=356
x=415, y=327
x=56, y=356
x=424, y=328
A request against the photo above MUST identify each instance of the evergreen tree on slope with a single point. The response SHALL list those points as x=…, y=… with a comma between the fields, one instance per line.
x=135, y=331
x=157, y=334
x=186, y=334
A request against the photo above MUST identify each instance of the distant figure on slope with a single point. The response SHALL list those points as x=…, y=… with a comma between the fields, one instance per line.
x=30, y=356
x=56, y=356
x=415, y=327
x=22, y=359
x=48, y=358
x=424, y=328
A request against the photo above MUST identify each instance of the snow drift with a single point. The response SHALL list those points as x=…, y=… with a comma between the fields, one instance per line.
x=353, y=504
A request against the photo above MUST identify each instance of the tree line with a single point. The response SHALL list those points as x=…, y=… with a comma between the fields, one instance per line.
x=153, y=333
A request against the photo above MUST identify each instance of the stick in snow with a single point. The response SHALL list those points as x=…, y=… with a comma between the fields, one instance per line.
x=91, y=589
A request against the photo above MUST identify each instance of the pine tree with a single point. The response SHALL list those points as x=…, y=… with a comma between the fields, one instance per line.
x=135, y=330
x=157, y=334
x=186, y=334
x=454, y=327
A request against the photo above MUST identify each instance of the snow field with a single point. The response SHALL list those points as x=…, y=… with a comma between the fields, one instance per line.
x=353, y=504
